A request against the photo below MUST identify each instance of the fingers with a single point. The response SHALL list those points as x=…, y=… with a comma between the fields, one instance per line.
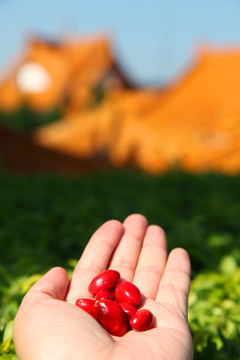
x=139, y=253
x=151, y=262
x=95, y=258
x=126, y=256
x=175, y=283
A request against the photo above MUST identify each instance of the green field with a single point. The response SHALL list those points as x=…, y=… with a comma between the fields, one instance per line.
x=47, y=220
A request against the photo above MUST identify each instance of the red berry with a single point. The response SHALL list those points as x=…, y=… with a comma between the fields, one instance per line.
x=142, y=320
x=112, y=317
x=127, y=292
x=128, y=309
x=108, y=279
x=105, y=294
x=88, y=305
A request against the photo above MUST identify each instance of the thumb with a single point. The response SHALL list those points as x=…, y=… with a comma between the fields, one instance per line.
x=53, y=285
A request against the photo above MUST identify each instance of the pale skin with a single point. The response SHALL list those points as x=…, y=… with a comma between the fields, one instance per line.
x=49, y=326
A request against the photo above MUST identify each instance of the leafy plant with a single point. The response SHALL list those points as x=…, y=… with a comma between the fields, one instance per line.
x=24, y=119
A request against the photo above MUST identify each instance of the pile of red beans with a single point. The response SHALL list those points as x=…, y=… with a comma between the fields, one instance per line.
x=116, y=304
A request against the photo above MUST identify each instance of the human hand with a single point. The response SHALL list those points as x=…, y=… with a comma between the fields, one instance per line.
x=49, y=326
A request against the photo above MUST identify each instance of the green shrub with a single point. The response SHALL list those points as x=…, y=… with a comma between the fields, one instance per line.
x=24, y=119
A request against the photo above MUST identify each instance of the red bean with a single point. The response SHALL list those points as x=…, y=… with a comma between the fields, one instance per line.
x=106, y=280
x=87, y=305
x=105, y=294
x=112, y=317
x=142, y=320
x=127, y=292
x=128, y=309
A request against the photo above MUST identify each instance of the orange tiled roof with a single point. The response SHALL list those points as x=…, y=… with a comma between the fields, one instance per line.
x=194, y=124
x=74, y=68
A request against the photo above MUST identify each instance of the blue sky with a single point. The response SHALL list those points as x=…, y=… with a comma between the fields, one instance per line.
x=155, y=40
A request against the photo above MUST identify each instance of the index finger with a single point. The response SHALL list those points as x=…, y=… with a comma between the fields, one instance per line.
x=95, y=258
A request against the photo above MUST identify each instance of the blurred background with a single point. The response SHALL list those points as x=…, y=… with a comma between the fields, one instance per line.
x=150, y=85
x=110, y=108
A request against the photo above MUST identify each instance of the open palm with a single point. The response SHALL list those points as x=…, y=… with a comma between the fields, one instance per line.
x=49, y=326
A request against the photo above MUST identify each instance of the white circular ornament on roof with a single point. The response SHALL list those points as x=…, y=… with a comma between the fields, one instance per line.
x=32, y=77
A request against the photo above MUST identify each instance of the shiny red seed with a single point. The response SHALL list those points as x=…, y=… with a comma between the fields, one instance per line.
x=142, y=320
x=112, y=317
x=105, y=294
x=127, y=292
x=87, y=305
x=128, y=309
x=106, y=280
